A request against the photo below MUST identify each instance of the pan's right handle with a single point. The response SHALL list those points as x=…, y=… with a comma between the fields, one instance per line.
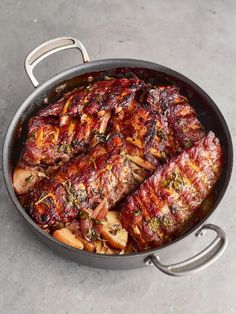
x=197, y=262
x=47, y=49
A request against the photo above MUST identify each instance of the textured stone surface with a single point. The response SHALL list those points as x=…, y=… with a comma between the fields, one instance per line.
x=196, y=38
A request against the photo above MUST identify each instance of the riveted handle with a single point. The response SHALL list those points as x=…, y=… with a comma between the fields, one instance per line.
x=197, y=262
x=48, y=48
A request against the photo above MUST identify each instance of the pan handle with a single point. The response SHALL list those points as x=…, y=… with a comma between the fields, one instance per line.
x=199, y=261
x=48, y=48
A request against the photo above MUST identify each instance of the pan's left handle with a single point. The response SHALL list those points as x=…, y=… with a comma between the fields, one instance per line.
x=48, y=48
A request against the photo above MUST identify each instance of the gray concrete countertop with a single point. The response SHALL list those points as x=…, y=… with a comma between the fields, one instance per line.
x=196, y=38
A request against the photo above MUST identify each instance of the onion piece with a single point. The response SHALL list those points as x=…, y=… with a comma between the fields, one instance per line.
x=101, y=210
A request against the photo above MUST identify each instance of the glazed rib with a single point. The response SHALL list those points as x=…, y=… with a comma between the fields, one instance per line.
x=82, y=184
x=159, y=124
x=160, y=208
x=77, y=122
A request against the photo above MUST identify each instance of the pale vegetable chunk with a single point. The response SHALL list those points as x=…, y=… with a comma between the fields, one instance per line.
x=113, y=231
x=24, y=179
x=64, y=235
x=98, y=246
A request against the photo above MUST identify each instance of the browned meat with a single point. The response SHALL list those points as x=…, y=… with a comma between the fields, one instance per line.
x=159, y=124
x=181, y=117
x=82, y=184
x=77, y=122
x=161, y=207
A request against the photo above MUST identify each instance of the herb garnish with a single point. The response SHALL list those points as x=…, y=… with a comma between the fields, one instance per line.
x=65, y=148
x=93, y=235
x=166, y=221
x=99, y=98
x=87, y=87
x=46, y=199
x=154, y=223
x=101, y=137
x=83, y=214
x=32, y=136
x=115, y=229
x=29, y=179
x=97, y=221
x=174, y=209
x=188, y=144
x=137, y=212
x=163, y=154
x=73, y=196
x=176, y=181
x=161, y=134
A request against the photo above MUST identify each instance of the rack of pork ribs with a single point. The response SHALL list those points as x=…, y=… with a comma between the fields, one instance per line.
x=117, y=166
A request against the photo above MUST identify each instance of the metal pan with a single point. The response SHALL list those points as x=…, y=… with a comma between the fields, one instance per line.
x=52, y=89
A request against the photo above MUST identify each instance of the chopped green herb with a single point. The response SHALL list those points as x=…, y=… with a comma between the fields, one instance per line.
x=161, y=134
x=166, y=183
x=32, y=136
x=97, y=191
x=101, y=137
x=99, y=98
x=73, y=196
x=83, y=214
x=65, y=148
x=154, y=223
x=44, y=217
x=87, y=87
x=113, y=232
x=115, y=229
x=123, y=153
x=188, y=144
x=176, y=182
x=45, y=199
x=93, y=235
x=166, y=221
x=29, y=179
x=76, y=143
x=174, y=209
x=163, y=155
x=97, y=222
x=137, y=212
x=177, y=186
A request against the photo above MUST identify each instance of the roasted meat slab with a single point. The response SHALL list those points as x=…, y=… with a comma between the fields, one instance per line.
x=102, y=176
x=86, y=153
x=77, y=122
x=155, y=122
x=162, y=206
x=159, y=124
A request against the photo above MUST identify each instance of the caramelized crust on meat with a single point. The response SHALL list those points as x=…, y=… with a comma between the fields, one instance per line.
x=157, y=125
x=82, y=184
x=77, y=122
x=162, y=206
